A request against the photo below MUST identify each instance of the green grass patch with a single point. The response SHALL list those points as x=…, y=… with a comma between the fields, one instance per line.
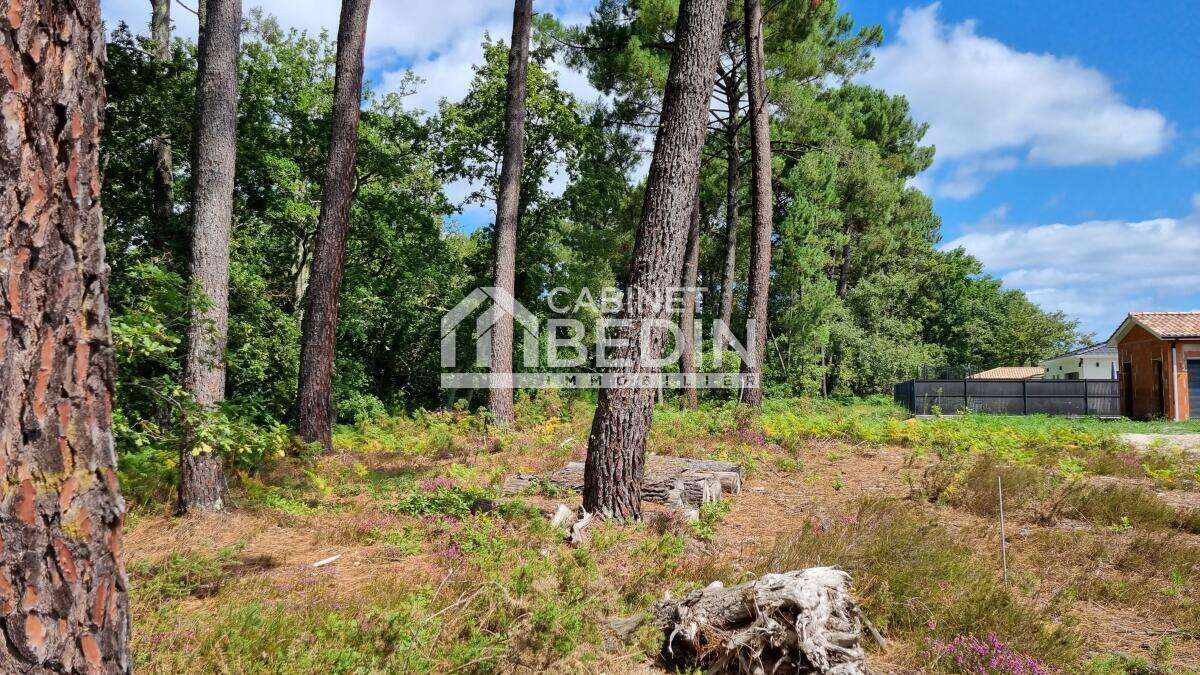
x=180, y=575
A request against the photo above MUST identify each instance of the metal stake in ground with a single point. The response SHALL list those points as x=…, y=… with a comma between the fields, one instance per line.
x=1003, y=544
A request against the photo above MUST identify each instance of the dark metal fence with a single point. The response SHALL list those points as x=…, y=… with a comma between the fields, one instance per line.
x=1101, y=398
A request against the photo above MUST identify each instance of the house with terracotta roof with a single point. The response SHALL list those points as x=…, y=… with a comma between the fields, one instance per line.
x=1158, y=356
x=1010, y=373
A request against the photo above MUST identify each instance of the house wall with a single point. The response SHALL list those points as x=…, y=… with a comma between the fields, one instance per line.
x=1094, y=368
x=1184, y=350
x=1140, y=350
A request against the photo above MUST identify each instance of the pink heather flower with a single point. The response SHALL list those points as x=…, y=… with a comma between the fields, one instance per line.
x=437, y=483
x=985, y=657
x=453, y=551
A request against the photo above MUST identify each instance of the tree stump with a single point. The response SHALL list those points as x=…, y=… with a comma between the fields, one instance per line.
x=699, y=481
x=797, y=622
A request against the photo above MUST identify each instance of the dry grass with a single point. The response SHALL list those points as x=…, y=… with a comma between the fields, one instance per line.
x=426, y=585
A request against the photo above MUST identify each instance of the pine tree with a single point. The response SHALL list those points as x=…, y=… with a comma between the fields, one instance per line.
x=164, y=165
x=63, y=600
x=762, y=202
x=617, y=444
x=500, y=395
x=687, y=315
x=329, y=253
x=202, y=480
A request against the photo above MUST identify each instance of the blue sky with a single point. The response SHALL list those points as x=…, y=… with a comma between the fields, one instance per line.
x=1068, y=132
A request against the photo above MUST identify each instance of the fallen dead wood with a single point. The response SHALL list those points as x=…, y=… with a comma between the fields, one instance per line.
x=798, y=622
x=327, y=561
x=579, y=533
x=700, y=481
x=564, y=517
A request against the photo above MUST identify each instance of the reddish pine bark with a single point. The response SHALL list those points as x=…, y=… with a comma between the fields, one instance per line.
x=616, y=447
x=319, y=328
x=762, y=201
x=500, y=395
x=202, y=479
x=63, y=602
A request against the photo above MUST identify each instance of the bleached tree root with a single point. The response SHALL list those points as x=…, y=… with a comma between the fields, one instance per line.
x=803, y=621
x=699, y=481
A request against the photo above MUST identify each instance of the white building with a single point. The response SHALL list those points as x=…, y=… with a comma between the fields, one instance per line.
x=1098, y=362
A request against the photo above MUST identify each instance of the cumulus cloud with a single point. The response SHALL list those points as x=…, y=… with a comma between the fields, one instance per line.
x=1097, y=270
x=986, y=101
x=446, y=74
x=400, y=28
x=438, y=40
x=967, y=178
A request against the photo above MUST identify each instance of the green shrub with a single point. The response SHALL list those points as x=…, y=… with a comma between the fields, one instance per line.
x=360, y=408
x=1122, y=506
x=711, y=515
x=444, y=500
x=274, y=497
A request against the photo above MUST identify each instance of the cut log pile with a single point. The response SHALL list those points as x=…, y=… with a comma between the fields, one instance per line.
x=797, y=622
x=668, y=480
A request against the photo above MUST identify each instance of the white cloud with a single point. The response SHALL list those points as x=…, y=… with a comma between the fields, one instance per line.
x=440, y=40
x=446, y=74
x=983, y=98
x=967, y=178
x=400, y=28
x=1099, y=270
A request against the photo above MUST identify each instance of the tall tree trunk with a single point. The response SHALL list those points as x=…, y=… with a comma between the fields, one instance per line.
x=319, y=328
x=500, y=395
x=837, y=353
x=160, y=146
x=202, y=481
x=843, y=285
x=762, y=200
x=201, y=14
x=63, y=601
x=732, y=179
x=691, y=266
x=617, y=444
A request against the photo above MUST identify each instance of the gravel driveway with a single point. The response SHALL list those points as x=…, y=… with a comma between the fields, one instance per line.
x=1189, y=443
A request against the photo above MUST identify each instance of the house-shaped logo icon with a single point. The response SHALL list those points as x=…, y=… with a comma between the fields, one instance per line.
x=502, y=303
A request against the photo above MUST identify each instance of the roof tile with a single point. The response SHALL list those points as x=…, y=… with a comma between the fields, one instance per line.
x=1010, y=373
x=1169, y=324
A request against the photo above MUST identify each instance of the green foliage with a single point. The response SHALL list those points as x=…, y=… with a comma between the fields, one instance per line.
x=448, y=500
x=406, y=541
x=273, y=497
x=360, y=407
x=1013, y=438
x=862, y=296
x=711, y=515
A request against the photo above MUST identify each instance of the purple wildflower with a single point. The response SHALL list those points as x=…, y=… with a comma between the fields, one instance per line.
x=437, y=483
x=985, y=657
